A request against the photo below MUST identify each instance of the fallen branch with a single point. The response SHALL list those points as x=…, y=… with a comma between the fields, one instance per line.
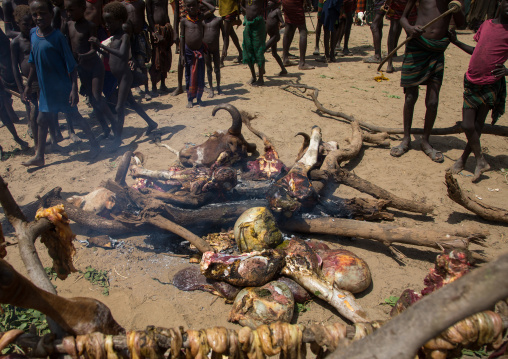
x=344, y=176
x=335, y=158
x=403, y=335
x=485, y=211
x=386, y=234
x=487, y=129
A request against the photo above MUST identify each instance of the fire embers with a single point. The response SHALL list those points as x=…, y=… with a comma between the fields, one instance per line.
x=250, y=269
x=265, y=167
x=256, y=230
x=268, y=304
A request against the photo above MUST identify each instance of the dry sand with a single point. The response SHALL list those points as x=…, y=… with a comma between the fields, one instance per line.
x=140, y=271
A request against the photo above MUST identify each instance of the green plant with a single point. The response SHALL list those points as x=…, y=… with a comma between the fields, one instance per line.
x=302, y=307
x=480, y=353
x=391, y=300
x=504, y=172
x=50, y=272
x=97, y=277
x=22, y=319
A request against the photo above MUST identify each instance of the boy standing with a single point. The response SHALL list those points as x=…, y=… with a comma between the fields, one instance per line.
x=273, y=20
x=213, y=28
x=254, y=37
x=192, y=52
x=484, y=85
x=424, y=65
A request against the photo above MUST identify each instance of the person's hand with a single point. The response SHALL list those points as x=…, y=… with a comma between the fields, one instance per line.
x=282, y=25
x=94, y=41
x=452, y=35
x=500, y=71
x=73, y=98
x=25, y=94
x=132, y=65
x=415, y=31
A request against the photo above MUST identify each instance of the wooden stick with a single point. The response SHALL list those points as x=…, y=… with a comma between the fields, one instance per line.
x=453, y=7
x=401, y=337
x=344, y=176
x=485, y=211
x=457, y=128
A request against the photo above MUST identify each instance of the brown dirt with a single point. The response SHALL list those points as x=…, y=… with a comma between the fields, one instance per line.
x=141, y=270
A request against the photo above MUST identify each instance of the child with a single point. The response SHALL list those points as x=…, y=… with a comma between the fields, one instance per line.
x=115, y=15
x=52, y=59
x=161, y=36
x=330, y=18
x=5, y=101
x=424, y=65
x=90, y=67
x=213, y=27
x=272, y=28
x=20, y=52
x=254, y=37
x=193, y=49
x=484, y=85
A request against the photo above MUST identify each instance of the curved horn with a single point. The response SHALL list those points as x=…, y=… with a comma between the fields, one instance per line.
x=236, y=127
x=305, y=145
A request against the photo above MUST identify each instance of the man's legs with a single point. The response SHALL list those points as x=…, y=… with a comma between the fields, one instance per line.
x=289, y=33
x=411, y=96
x=302, y=29
x=472, y=123
x=319, y=25
x=347, y=33
x=43, y=126
x=179, y=88
x=393, y=39
x=229, y=32
x=431, y=104
x=377, y=34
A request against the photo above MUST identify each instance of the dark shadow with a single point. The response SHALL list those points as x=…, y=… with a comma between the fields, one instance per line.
x=217, y=100
x=236, y=88
x=459, y=217
x=151, y=105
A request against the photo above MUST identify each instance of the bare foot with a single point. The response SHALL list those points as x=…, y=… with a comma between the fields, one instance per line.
x=457, y=167
x=283, y=72
x=35, y=161
x=390, y=69
x=151, y=127
x=177, y=91
x=251, y=81
x=289, y=63
x=24, y=145
x=219, y=91
x=481, y=166
x=200, y=103
x=259, y=82
x=115, y=145
x=74, y=138
x=55, y=148
x=164, y=89
x=305, y=66
x=189, y=104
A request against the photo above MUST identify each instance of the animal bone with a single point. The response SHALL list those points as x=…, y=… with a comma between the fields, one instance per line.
x=97, y=201
x=222, y=146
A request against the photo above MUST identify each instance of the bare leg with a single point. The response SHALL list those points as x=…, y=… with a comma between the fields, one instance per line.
x=216, y=69
x=347, y=33
x=327, y=44
x=253, y=74
x=319, y=25
x=411, y=96
x=229, y=33
x=393, y=38
x=431, y=104
x=377, y=34
x=209, y=70
x=278, y=59
x=7, y=121
x=289, y=33
x=472, y=123
x=260, y=81
x=85, y=127
x=333, y=42
x=303, y=48
x=179, y=88
x=43, y=124
x=152, y=125
x=99, y=104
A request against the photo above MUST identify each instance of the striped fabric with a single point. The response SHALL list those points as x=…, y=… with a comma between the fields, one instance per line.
x=423, y=62
x=361, y=6
x=320, y=8
x=492, y=95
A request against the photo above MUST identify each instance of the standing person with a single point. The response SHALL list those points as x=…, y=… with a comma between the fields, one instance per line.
x=5, y=101
x=193, y=48
x=119, y=50
x=213, y=26
x=161, y=38
x=51, y=61
x=484, y=85
x=319, y=25
x=394, y=14
x=254, y=37
x=140, y=46
x=294, y=16
x=330, y=18
x=180, y=14
x=90, y=67
x=424, y=65
x=346, y=23
x=8, y=7
x=376, y=27
x=273, y=20
x=228, y=10
x=20, y=53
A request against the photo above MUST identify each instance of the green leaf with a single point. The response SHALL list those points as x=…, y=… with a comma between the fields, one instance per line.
x=391, y=300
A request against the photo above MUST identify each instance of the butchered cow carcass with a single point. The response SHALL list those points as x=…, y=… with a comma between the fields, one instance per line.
x=222, y=147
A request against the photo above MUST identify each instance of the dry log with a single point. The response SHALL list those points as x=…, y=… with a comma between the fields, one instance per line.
x=335, y=158
x=485, y=211
x=487, y=129
x=342, y=175
x=386, y=234
x=403, y=335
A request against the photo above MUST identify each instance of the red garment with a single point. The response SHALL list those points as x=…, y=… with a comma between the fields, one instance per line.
x=492, y=49
x=293, y=12
x=348, y=6
x=397, y=8
x=360, y=6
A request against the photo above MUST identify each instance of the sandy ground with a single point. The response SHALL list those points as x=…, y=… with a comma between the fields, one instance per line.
x=140, y=271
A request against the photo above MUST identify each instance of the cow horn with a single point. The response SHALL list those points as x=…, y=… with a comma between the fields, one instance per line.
x=236, y=127
x=305, y=145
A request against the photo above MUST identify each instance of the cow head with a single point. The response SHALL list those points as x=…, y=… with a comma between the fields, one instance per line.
x=222, y=147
